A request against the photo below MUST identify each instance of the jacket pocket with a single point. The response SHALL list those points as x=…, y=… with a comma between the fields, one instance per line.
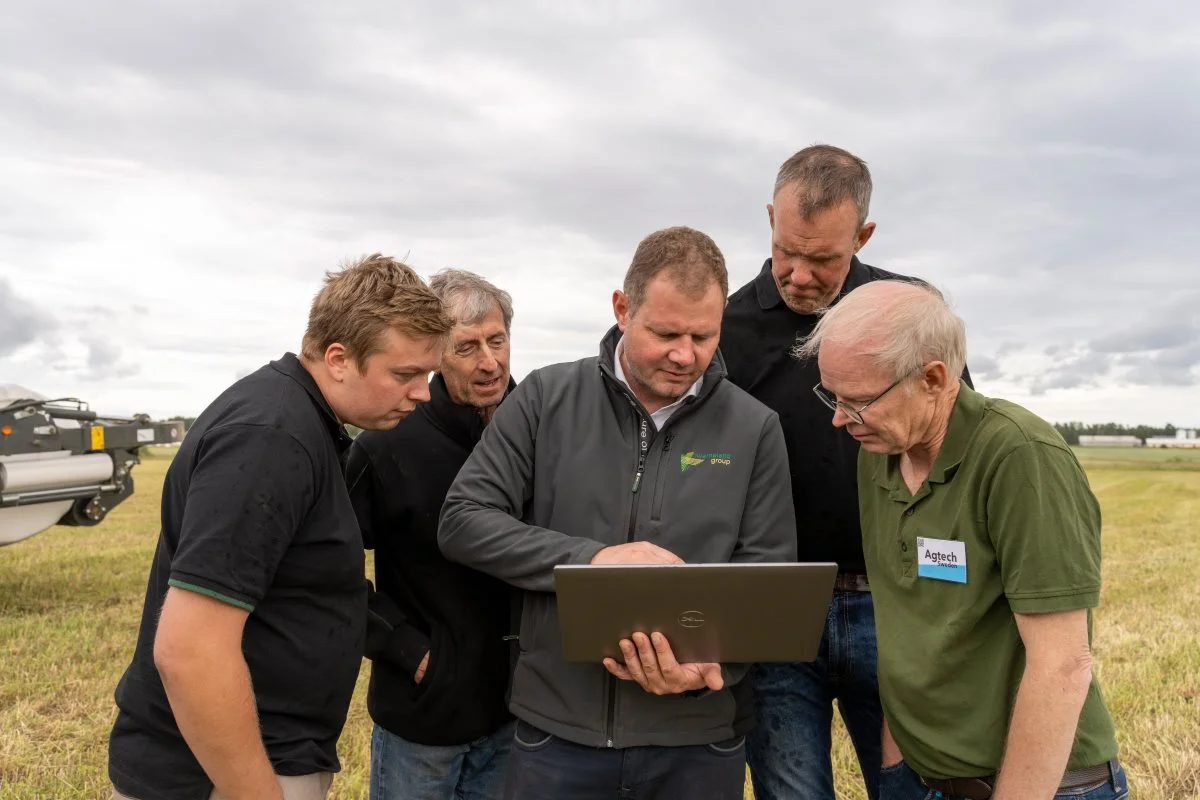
x=536, y=617
x=440, y=670
x=660, y=480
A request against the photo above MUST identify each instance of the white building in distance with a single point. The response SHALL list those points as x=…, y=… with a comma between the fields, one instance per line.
x=1184, y=437
x=1103, y=440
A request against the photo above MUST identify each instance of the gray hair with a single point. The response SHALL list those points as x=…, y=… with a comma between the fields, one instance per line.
x=825, y=176
x=901, y=325
x=469, y=297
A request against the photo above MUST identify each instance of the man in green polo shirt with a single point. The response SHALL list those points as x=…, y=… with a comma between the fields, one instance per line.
x=982, y=543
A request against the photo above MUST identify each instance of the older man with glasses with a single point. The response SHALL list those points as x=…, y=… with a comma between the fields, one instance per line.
x=855, y=414
x=982, y=546
x=819, y=223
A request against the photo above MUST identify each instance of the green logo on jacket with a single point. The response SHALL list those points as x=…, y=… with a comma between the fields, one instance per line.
x=690, y=459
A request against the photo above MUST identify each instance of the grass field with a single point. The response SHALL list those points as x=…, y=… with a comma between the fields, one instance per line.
x=70, y=599
x=1167, y=458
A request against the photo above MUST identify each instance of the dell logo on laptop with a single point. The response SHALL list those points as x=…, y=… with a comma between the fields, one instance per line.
x=691, y=619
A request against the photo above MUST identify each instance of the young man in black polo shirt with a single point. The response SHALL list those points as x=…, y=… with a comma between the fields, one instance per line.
x=438, y=631
x=253, y=626
x=818, y=224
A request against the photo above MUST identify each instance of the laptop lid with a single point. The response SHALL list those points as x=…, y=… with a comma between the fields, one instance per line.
x=708, y=612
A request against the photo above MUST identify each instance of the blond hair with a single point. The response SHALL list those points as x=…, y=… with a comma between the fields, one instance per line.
x=366, y=297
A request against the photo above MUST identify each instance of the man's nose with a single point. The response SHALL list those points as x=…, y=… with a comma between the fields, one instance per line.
x=801, y=274
x=684, y=354
x=840, y=418
x=487, y=361
x=419, y=392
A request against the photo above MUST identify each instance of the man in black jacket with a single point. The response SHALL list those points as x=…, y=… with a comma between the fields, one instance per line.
x=437, y=633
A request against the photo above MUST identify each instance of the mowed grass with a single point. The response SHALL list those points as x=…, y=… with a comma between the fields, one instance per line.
x=1159, y=457
x=70, y=601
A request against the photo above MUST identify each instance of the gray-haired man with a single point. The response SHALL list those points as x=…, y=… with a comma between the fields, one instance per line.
x=437, y=632
x=982, y=543
x=819, y=222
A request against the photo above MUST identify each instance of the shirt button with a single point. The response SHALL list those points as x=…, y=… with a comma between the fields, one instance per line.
x=904, y=547
x=908, y=513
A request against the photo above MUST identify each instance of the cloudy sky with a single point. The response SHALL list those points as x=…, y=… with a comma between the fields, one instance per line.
x=175, y=178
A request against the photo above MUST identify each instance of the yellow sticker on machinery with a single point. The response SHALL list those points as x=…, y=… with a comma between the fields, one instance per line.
x=97, y=437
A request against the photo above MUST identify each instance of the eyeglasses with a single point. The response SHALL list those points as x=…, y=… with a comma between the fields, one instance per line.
x=827, y=397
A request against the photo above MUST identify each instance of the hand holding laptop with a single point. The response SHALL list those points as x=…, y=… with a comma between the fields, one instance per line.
x=650, y=662
x=635, y=553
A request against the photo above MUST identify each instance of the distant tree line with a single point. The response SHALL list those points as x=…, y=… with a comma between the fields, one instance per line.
x=1071, y=431
x=187, y=425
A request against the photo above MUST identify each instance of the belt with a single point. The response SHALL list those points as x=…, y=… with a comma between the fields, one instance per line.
x=981, y=788
x=851, y=582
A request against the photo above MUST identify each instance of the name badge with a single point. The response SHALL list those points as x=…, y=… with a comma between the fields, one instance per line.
x=942, y=560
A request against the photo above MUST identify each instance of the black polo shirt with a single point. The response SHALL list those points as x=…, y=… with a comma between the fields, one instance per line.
x=256, y=514
x=757, y=336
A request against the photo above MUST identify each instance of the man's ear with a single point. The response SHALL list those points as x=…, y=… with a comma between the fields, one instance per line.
x=338, y=361
x=864, y=236
x=621, y=309
x=771, y=215
x=937, y=378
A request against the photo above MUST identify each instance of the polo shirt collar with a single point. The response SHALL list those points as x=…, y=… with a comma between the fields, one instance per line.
x=765, y=288
x=964, y=419
x=768, y=292
x=290, y=366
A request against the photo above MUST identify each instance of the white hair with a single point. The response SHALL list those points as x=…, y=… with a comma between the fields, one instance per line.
x=901, y=325
x=469, y=298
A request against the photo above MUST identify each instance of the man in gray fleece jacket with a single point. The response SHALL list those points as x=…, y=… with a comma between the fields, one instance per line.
x=644, y=454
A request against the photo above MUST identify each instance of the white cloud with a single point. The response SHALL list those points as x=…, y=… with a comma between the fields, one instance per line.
x=177, y=178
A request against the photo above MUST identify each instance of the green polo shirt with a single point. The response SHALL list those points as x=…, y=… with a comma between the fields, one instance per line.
x=950, y=657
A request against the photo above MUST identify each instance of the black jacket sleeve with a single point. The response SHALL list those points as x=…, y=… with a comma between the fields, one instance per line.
x=390, y=636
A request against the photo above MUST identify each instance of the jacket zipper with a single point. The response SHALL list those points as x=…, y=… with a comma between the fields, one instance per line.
x=643, y=448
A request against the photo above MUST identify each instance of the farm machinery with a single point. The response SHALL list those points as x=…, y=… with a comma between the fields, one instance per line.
x=63, y=464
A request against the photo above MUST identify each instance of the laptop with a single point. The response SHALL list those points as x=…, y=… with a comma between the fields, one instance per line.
x=708, y=612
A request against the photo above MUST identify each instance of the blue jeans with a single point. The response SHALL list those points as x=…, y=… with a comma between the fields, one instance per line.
x=402, y=770
x=544, y=767
x=788, y=750
x=899, y=782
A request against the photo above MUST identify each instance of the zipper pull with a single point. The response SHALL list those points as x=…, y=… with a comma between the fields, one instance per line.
x=667, y=442
x=637, y=478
